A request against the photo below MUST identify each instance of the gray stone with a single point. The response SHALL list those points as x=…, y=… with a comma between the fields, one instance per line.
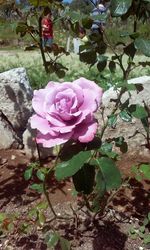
x=15, y=97
x=131, y=131
x=9, y=138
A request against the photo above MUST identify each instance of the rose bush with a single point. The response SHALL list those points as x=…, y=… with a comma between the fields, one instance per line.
x=66, y=111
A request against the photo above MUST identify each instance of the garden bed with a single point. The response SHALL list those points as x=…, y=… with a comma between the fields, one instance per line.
x=109, y=231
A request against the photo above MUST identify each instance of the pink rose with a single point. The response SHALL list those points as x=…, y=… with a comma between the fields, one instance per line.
x=66, y=111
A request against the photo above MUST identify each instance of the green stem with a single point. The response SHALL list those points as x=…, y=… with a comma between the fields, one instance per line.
x=47, y=196
x=113, y=112
x=86, y=202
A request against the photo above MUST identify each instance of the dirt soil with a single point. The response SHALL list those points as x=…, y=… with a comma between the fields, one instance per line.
x=108, y=232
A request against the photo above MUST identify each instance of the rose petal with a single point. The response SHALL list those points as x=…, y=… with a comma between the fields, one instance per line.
x=55, y=120
x=38, y=101
x=85, y=132
x=51, y=85
x=76, y=89
x=87, y=84
x=42, y=125
x=90, y=102
x=49, y=141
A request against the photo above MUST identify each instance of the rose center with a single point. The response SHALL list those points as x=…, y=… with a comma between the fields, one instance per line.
x=64, y=105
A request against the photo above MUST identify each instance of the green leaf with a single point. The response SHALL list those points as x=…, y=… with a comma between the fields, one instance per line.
x=28, y=173
x=145, y=170
x=132, y=230
x=40, y=175
x=146, y=222
x=32, y=213
x=125, y=116
x=138, y=111
x=139, y=87
x=11, y=227
x=112, y=121
x=42, y=205
x=21, y=28
x=60, y=73
x=52, y=239
x=147, y=239
x=101, y=47
x=87, y=23
x=41, y=218
x=143, y=45
x=145, y=123
x=71, y=149
x=106, y=147
x=100, y=184
x=138, y=177
x=69, y=168
x=134, y=35
x=120, y=7
x=134, y=169
x=95, y=37
x=130, y=50
x=142, y=229
x=119, y=142
x=37, y=187
x=110, y=172
x=38, y=3
x=144, y=64
x=24, y=227
x=84, y=179
x=65, y=244
x=2, y=217
x=88, y=57
x=102, y=62
x=148, y=216
x=141, y=234
x=85, y=47
x=112, y=66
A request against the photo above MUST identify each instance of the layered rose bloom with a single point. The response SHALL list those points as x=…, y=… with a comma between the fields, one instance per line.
x=65, y=111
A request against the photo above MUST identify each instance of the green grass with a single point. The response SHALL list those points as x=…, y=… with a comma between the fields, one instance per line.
x=38, y=78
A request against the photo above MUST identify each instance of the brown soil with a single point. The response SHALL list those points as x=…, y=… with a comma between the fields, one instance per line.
x=128, y=208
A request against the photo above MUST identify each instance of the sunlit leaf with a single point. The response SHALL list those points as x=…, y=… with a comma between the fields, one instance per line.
x=37, y=187
x=110, y=172
x=52, y=239
x=145, y=170
x=28, y=173
x=125, y=116
x=138, y=111
x=69, y=168
x=40, y=175
x=143, y=45
x=119, y=7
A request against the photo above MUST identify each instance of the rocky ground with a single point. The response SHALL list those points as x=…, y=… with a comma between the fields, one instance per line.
x=109, y=232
